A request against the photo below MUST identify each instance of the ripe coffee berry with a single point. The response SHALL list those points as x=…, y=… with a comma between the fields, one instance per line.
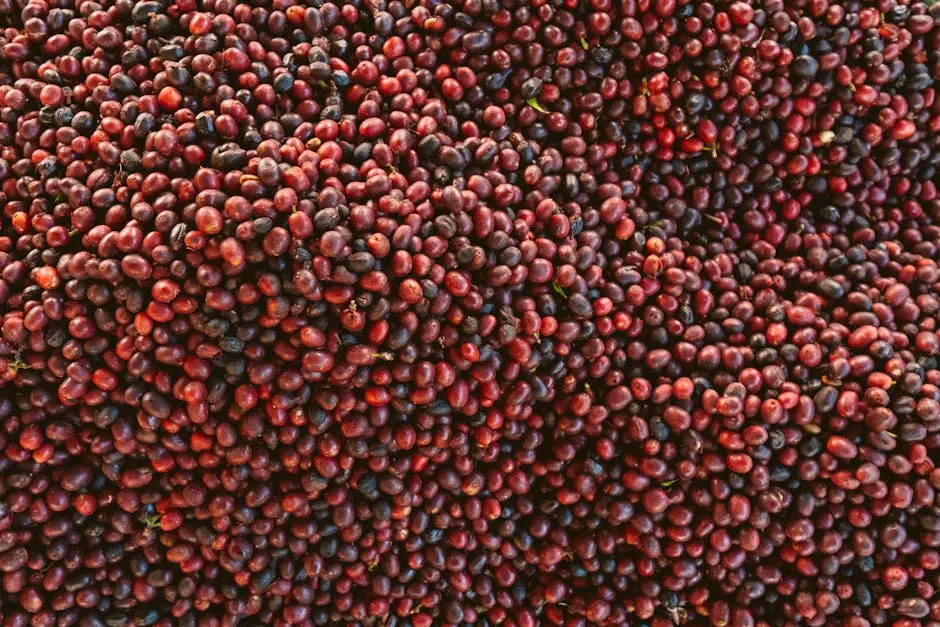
x=480, y=312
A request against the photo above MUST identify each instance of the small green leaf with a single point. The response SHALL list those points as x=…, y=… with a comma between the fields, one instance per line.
x=534, y=103
x=17, y=363
x=666, y=484
x=584, y=43
x=559, y=289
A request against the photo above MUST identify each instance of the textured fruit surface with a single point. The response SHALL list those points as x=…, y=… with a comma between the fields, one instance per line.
x=401, y=313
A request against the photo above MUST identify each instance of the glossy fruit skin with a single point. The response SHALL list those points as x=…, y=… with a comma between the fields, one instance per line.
x=469, y=313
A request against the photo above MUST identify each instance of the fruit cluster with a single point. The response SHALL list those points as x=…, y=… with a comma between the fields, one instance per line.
x=478, y=312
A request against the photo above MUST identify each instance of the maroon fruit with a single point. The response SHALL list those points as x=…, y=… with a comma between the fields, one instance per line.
x=481, y=312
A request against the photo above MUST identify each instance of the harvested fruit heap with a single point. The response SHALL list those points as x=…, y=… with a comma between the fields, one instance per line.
x=486, y=312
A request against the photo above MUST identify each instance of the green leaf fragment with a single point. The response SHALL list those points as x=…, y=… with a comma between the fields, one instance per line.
x=534, y=103
x=666, y=484
x=584, y=43
x=559, y=289
x=17, y=363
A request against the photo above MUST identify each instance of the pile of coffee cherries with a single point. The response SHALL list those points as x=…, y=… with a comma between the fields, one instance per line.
x=413, y=313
